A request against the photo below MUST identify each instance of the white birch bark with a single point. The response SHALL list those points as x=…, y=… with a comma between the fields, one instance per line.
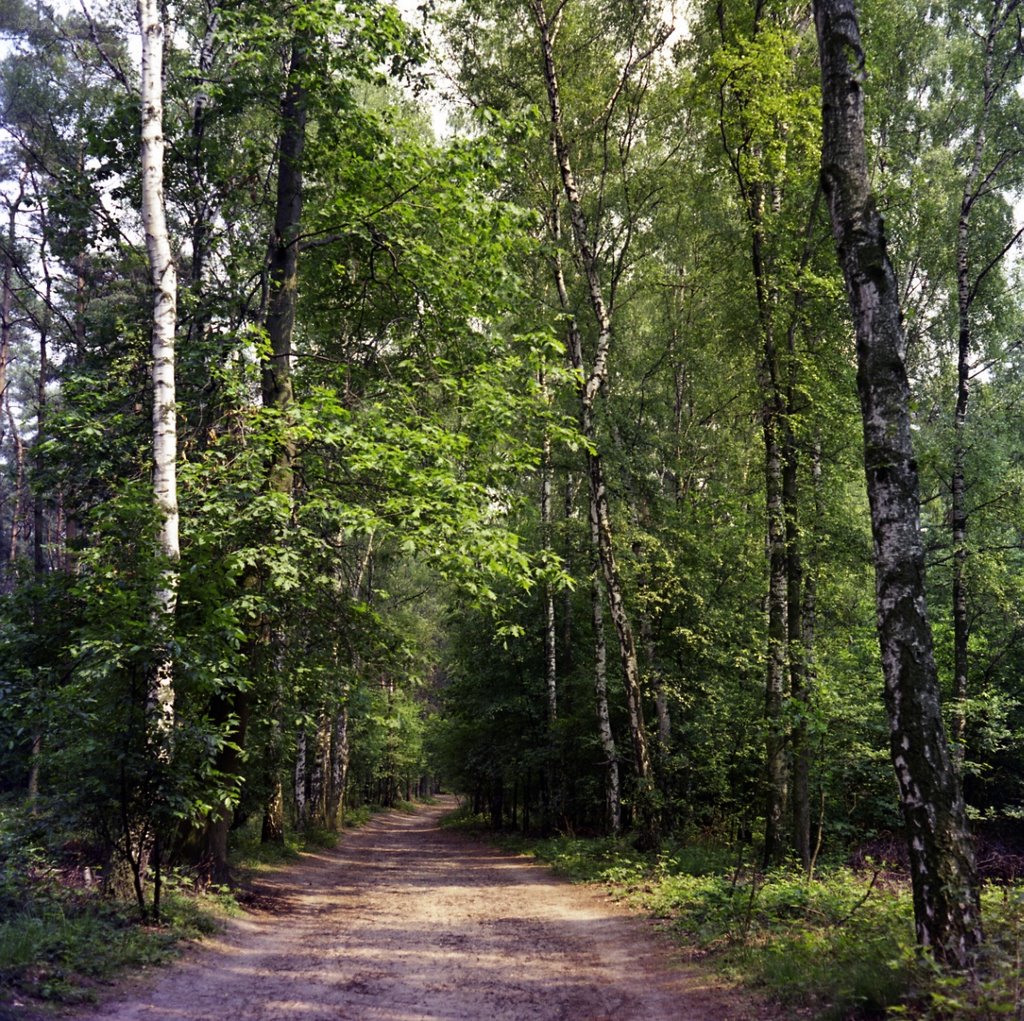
x=339, y=764
x=612, y=796
x=299, y=788
x=550, y=655
x=943, y=873
x=590, y=385
x=165, y=292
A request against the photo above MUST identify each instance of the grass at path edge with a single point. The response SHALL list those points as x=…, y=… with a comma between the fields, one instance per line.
x=839, y=946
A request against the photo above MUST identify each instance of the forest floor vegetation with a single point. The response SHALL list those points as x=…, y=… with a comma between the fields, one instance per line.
x=64, y=936
x=840, y=944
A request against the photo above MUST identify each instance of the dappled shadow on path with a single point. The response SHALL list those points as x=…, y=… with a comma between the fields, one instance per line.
x=409, y=922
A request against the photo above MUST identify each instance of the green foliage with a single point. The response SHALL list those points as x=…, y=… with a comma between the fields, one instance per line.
x=59, y=934
x=359, y=816
x=399, y=582
x=836, y=943
x=841, y=943
x=992, y=988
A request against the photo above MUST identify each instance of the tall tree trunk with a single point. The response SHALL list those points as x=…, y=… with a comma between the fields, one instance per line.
x=777, y=773
x=282, y=294
x=975, y=184
x=339, y=765
x=943, y=875
x=802, y=674
x=774, y=426
x=550, y=635
x=601, y=536
x=19, y=515
x=204, y=211
x=799, y=692
x=7, y=302
x=7, y=299
x=300, y=781
x=206, y=203
x=39, y=534
x=39, y=524
x=591, y=382
x=163, y=279
x=612, y=796
x=801, y=592
x=282, y=289
x=569, y=501
x=283, y=253
x=550, y=645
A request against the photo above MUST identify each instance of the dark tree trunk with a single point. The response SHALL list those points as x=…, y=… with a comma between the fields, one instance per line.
x=19, y=516
x=775, y=668
x=554, y=772
x=550, y=644
x=612, y=795
x=798, y=691
x=283, y=253
x=797, y=636
x=339, y=768
x=958, y=483
x=6, y=331
x=943, y=873
x=39, y=523
x=272, y=830
x=225, y=709
x=773, y=424
x=975, y=185
x=282, y=292
x=803, y=676
x=282, y=289
x=567, y=619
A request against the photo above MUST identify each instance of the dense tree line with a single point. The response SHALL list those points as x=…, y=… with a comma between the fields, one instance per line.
x=531, y=457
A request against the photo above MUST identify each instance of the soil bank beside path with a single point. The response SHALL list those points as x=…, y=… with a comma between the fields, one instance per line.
x=405, y=921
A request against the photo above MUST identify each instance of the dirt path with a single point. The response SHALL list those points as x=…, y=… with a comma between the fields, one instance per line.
x=407, y=922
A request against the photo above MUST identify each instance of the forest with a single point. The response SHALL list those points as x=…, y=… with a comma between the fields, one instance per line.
x=607, y=410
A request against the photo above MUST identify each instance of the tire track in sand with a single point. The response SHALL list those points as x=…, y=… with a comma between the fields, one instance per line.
x=405, y=921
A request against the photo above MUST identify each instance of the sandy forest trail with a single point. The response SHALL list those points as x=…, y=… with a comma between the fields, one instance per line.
x=407, y=922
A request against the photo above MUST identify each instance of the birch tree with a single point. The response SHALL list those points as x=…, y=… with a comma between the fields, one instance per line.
x=592, y=377
x=994, y=165
x=943, y=876
x=761, y=87
x=163, y=279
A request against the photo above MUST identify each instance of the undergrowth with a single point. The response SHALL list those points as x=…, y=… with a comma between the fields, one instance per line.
x=61, y=937
x=841, y=944
x=249, y=854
